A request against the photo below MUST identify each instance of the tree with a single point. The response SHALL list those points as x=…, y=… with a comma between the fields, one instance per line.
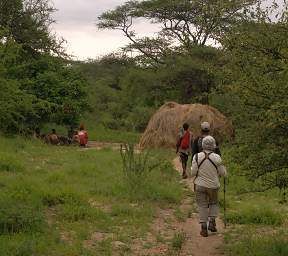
x=27, y=22
x=187, y=27
x=38, y=84
x=257, y=54
x=184, y=24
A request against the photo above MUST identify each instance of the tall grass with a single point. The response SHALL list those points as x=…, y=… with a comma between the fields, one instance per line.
x=136, y=166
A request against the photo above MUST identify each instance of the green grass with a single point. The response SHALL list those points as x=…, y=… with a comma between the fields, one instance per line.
x=98, y=132
x=258, y=244
x=257, y=221
x=178, y=241
x=54, y=198
x=255, y=216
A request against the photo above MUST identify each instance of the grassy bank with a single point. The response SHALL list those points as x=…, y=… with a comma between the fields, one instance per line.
x=257, y=221
x=68, y=201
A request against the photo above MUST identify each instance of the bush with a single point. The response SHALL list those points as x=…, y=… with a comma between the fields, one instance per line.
x=178, y=241
x=136, y=167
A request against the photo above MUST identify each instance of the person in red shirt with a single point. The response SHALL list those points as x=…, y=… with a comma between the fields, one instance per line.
x=82, y=136
x=184, y=148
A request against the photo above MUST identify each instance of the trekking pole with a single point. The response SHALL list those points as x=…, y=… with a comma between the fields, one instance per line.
x=225, y=221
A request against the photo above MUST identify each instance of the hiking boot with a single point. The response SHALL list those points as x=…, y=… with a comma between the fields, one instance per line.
x=184, y=175
x=204, y=231
x=212, y=225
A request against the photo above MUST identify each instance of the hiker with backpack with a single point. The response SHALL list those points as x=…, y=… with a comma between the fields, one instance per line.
x=82, y=136
x=207, y=167
x=197, y=144
x=184, y=148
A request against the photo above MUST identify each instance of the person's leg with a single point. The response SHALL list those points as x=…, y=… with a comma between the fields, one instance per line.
x=213, y=209
x=184, y=159
x=202, y=203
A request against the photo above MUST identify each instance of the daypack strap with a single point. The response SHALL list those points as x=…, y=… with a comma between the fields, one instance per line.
x=206, y=158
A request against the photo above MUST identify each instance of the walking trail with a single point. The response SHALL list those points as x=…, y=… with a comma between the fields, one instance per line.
x=195, y=244
x=170, y=222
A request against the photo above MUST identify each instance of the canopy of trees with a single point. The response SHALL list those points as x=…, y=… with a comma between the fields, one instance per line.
x=245, y=75
x=37, y=85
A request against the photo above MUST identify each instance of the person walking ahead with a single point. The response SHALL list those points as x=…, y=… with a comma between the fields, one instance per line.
x=185, y=149
x=197, y=144
x=207, y=167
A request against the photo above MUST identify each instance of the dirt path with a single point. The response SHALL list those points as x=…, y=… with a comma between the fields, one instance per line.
x=195, y=244
x=174, y=231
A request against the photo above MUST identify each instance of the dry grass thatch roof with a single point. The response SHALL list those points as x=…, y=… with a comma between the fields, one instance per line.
x=163, y=127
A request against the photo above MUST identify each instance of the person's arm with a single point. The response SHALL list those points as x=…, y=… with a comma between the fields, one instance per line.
x=194, y=167
x=221, y=168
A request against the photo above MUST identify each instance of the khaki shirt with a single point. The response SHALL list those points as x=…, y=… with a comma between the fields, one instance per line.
x=208, y=175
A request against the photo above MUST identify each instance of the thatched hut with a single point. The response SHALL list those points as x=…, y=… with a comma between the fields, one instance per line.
x=163, y=127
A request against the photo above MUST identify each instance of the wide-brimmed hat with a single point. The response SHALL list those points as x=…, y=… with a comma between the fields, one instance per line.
x=209, y=143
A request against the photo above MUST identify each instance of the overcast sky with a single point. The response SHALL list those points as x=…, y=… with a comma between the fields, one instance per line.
x=75, y=21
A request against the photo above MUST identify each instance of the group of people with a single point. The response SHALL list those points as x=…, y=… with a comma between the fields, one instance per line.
x=76, y=137
x=207, y=167
x=80, y=136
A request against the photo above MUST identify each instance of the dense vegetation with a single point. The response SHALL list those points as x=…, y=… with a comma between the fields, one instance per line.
x=45, y=194
x=37, y=84
x=246, y=78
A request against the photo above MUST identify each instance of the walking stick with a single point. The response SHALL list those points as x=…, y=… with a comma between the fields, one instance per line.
x=225, y=221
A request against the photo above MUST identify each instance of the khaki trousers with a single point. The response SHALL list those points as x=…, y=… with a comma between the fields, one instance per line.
x=207, y=202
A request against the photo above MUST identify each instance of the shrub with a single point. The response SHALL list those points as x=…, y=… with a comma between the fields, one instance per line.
x=136, y=167
x=178, y=241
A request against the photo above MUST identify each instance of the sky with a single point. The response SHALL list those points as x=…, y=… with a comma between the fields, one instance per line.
x=75, y=22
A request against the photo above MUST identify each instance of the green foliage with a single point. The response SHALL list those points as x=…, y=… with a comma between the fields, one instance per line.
x=256, y=53
x=27, y=22
x=136, y=166
x=124, y=95
x=36, y=86
x=183, y=23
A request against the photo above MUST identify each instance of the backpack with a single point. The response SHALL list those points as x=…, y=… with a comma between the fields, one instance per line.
x=185, y=140
x=199, y=144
